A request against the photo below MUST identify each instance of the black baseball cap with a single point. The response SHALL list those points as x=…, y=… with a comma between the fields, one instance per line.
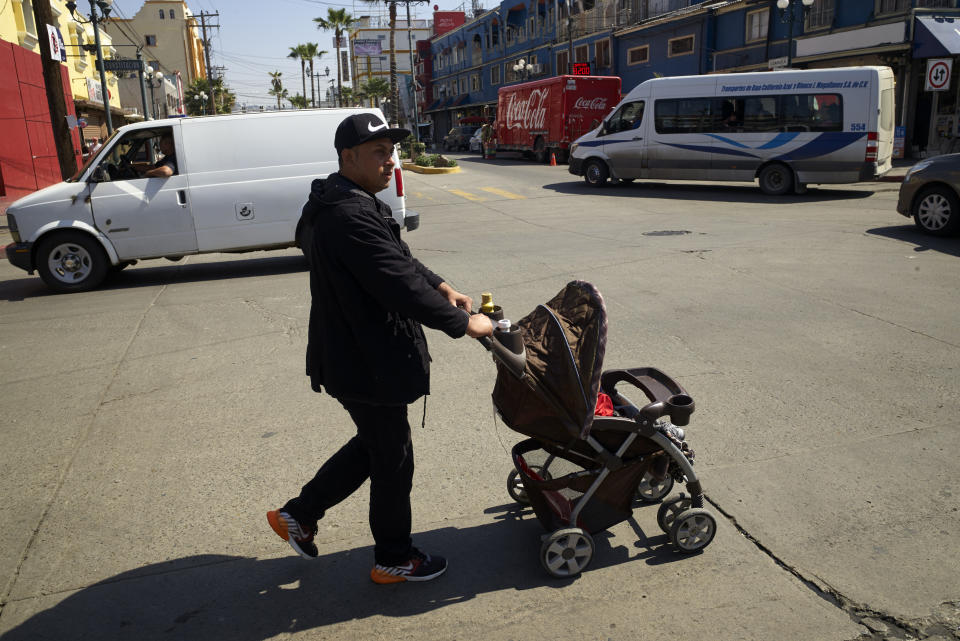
x=359, y=128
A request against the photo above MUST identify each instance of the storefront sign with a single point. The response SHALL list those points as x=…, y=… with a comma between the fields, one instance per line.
x=899, y=134
x=368, y=47
x=580, y=69
x=777, y=63
x=56, y=47
x=938, y=74
x=94, y=90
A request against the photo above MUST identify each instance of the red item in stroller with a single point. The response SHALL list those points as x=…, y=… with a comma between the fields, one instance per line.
x=582, y=472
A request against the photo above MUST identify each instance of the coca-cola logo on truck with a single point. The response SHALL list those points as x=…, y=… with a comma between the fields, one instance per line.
x=593, y=104
x=527, y=114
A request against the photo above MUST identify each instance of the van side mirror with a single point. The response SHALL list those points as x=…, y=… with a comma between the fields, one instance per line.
x=99, y=175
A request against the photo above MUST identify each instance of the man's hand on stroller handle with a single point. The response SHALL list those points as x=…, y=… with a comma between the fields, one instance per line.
x=456, y=298
x=479, y=326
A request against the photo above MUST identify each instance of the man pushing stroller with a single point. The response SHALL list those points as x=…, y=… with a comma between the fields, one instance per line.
x=367, y=348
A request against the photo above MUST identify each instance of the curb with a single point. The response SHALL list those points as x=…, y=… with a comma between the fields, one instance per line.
x=417, y=169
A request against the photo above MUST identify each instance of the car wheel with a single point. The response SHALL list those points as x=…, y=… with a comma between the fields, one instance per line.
x=71, y=261
x=595, y=173
x=776, y=179
x=937, y=211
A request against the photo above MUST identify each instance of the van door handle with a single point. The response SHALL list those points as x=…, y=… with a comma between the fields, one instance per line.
x=182, y=197
x=639, y=138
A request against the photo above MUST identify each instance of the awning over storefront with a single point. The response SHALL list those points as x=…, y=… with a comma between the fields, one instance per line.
x=434, y=105
x=936, y=37
x=456, y=101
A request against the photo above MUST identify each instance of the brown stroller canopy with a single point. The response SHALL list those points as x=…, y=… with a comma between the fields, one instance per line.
x=565, y=341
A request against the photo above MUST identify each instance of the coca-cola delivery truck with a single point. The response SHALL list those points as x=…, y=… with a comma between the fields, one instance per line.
x=545, y=116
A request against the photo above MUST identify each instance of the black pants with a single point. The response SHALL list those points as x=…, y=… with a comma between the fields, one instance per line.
x=383, y=452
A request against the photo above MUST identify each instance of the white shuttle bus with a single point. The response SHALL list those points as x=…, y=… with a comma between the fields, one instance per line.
x=786, y=129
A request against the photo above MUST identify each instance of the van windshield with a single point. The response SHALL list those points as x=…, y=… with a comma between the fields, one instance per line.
x=93, y=158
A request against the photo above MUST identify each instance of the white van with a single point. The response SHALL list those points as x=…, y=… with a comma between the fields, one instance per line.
x=240, y=185
x=785, y=128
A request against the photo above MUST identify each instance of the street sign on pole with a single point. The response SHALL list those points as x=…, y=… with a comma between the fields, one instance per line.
x=121, y=64
x=938, y=74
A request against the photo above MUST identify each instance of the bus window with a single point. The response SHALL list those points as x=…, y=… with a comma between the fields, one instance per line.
x=627, y=117
x=682, y=115
x=760, y=114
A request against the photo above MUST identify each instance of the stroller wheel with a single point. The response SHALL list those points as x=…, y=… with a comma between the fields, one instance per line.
x=651, y=491
x=567, y=552
x=693, y=530
x=668, y=511
x=515, y=484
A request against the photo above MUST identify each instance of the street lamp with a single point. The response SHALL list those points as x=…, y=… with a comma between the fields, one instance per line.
x=789, y=15
x=152, y=75
x=523, y=69
x=202, y=97
x=104, y=6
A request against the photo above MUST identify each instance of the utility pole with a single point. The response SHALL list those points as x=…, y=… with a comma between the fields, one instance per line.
x=148, y=114
x=206, y=51
x=56, y=99
x=413, y=75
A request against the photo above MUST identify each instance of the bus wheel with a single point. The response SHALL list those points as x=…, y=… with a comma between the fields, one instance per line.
x=595, y=173
x=776, y=179
x=937, y=211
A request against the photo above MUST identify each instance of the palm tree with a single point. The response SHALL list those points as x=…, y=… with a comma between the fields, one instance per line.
x=394, y=102
x=299, y=53
x=297, y=101
x=312, y=52
x=375, y=89
x=337, y=20
x=277, y=86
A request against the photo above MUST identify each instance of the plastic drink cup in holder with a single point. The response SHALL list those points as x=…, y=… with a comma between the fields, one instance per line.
x=503, y=325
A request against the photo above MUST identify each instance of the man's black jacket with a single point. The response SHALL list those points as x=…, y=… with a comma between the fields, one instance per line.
x=370, y=296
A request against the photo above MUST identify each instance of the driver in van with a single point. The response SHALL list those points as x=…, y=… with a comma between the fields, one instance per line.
x=166, y=166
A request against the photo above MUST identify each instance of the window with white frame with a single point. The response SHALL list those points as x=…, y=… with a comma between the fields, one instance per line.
x=163, y=14
x=603, y=53
x=495, y=75
x=757, y=24
x=820, y=14
x=563, y=62
x=150, y=41
x=511, y=37
x=532, y=26
x=682, y=46
x=638, y=55
x=475, y=82
x=581, y=54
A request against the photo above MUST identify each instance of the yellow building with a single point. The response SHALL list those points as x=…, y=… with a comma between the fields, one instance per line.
x=170, y=36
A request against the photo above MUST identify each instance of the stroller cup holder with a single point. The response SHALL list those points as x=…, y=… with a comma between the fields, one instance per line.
x=666, y=396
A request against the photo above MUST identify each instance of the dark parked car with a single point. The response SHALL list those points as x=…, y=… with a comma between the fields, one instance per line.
x=930, y=193
x=459, y=137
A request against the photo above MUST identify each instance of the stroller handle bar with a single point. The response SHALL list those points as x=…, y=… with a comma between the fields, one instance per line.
x=507, y=348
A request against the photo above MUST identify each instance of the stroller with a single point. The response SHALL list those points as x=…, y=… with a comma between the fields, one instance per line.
x=582, y=472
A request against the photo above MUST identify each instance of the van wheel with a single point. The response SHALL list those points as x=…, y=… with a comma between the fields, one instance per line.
x=71, y=261
x=540, y=150
x=937, y=211
x=776, y=180
x=596, y=173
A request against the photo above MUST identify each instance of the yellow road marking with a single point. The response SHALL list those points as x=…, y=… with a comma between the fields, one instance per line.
x=505, y=194
x=421, y=195
x=467, y=195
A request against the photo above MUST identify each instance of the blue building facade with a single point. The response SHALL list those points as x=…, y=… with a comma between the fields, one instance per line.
x=642, y=39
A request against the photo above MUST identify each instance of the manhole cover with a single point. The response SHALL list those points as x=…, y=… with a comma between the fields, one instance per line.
x=667, y=232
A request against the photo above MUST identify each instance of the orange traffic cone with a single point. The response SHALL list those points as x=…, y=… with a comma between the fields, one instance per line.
x=553, y=159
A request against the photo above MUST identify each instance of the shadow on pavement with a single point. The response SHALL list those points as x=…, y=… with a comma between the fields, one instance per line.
x=921, y=242
x=216, y=596
x=152, y=273
x=715, y=193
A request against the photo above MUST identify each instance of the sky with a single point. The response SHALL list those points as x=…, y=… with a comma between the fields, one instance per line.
x=255, y=37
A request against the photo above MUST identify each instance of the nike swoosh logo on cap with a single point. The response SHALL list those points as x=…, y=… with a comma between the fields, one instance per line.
x=377, y=128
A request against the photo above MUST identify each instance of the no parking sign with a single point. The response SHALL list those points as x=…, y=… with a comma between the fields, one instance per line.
x=938, y=74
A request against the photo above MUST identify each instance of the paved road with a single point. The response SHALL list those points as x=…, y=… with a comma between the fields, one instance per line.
x=150, y=424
